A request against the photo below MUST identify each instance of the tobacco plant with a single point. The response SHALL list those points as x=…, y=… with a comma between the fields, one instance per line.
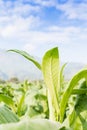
x=66, y=103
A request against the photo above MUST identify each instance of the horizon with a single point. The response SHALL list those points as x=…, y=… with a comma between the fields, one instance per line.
x=14, y=65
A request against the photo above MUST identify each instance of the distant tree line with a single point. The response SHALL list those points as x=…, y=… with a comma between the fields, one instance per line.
x=12, y=79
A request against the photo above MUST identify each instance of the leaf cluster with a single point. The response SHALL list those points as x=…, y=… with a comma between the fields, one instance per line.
x=63, y=105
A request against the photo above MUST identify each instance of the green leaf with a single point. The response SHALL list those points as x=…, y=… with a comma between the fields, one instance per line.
x=33, y=124
x=84, y=122
x=62, y=80
x=51, y=73
x=80, y=75
x=40, y=97
x=82, y=89
x=79, y=91
x=27, y=56
x=62, y=76
x=81, y=109
x=7, y=116
x=6, y=99
x=20, y=105
x=81, y=105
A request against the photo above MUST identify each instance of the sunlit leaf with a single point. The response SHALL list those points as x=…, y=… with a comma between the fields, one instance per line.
x=80, y=75
x=51, y=73
x=6, y=99
x=28, y=57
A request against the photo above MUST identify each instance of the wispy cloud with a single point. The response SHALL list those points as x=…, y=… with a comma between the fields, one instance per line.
x=25, y=24
x=17, y=8
x=19, y=25
x=74, y=11
x=46, y=3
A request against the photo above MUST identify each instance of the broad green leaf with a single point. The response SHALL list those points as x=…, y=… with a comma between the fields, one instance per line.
x=72, y=121
x=51, y=73
x=6, y=99
x=33, y=124
x=81, y=100
x=84, y=122
x=80, y=75
x=77, y=125
x=82, y=89
x=27, y=56
x=81, y=109
x=81, y=106
x=7, y=116
x=79, y=116
x=79, y=91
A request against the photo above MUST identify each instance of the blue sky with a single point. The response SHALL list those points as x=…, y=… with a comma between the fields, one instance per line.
x=38, y=25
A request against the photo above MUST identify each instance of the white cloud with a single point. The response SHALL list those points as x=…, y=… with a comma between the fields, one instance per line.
x=30, y=48
x=17, y=25
x=74, y=11
x=70, y=9
x=45, y=3
x=8, y=31
x=25, y=10
x=40, y=38
x=16, y=17
x=69, y=29
x=18, y=8
x=37, y=40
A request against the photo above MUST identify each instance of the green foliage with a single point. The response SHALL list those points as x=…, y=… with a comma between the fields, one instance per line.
x=6, y=99
x=24, y=97
x=51, y=73
x=82, y=74
x=7, y=116
x=53, y=100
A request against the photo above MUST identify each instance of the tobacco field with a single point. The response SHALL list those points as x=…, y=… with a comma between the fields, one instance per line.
x=48, y=104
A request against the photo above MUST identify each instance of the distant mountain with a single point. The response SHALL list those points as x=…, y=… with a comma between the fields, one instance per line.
x=3, y=75
x=14, y=65
x=72, y=68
